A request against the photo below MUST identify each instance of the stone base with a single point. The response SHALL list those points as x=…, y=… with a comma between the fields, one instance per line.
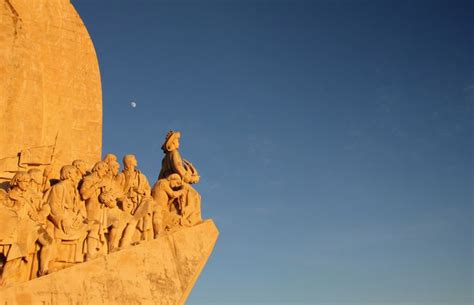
x=162, y=271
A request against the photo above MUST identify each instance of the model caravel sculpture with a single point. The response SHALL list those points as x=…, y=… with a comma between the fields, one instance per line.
x=70, y=232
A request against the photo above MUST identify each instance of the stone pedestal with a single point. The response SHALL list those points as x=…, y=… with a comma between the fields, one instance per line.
x=162, y=271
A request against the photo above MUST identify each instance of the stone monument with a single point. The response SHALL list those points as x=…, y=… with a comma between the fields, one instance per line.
x=50, y=93
x=75, y=229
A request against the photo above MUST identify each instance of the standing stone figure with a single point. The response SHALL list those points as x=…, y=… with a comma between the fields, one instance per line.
x=30, y=230
x=137, y=197
x=120, y=224
x=92, y=187
x=37, y=196
x=172, y=163
x=83, y=170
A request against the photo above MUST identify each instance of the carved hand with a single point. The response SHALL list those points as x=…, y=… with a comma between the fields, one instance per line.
x=66, y=224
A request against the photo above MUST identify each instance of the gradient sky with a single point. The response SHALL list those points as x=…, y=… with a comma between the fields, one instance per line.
x=334, y=139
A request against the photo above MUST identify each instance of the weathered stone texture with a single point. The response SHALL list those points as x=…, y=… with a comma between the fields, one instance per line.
x=162, y=271
x=50, y=89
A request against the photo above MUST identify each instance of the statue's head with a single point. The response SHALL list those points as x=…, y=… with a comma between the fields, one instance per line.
x=172, y=141
x=21, y=180
x=175, y=181
x=100, y=168
x=81, y=166
x=36, y=176
x=114, y=167
x=69, y=172
x=110, y=158
x=129, y=162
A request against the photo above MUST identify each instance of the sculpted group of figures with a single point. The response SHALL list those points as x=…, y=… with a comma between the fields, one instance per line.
x=47, y=226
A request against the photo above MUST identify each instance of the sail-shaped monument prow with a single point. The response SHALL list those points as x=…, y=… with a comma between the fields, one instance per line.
x=50, y=93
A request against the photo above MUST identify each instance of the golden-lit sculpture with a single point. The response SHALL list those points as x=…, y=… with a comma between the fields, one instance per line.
x=188, y=204
x=68, y=218
x=70, y=232
x=88, y=214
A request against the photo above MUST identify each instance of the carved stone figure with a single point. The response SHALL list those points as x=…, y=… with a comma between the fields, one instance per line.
x=55, y=215
x=30, y=230
x=37, y=196
x=172, y=163
x=93, y=187
x=167, y=193
x=121, y=225
x=82, y=167
x=47, y=179
x=110, y=158
x=137, y=197
x=67, y=216
x=83, y=171
x=85, y=215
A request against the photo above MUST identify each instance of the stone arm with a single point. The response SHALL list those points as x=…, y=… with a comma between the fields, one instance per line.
x=162, y=187
x=140, y=185
x=32, y=213
x=44, y=213
x=177, y=164
x=144, y=187
x=117, y=187
x=160, y=196
x=89, y=187
x=55, y=202
x=120, y=183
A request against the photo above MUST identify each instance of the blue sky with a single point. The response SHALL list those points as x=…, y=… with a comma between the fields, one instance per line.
x=334, y=139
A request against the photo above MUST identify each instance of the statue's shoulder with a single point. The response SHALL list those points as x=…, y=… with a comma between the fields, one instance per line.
x=59, y=187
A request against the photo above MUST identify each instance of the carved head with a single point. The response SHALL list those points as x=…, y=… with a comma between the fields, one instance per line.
x=172, y=141
x=108, y=198
x=21, y=180
x=110, y=158
x=175, y=181
x=101, y=168
x=36, y=176
x=129, y=162
x=114, y=168
x=69, y=172
x=81, y=166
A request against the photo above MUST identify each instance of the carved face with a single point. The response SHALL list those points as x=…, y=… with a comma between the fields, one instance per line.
x=133, y=162
x=101, y=172
x=114, y=167
x=175, y=182
x=23, y=184
x=176, y=142
x=82, y=168
x=75, y=175
x=130, y=162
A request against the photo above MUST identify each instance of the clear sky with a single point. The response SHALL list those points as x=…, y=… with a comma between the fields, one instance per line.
x=334, y=139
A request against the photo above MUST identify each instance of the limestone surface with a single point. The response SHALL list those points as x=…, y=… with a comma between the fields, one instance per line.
x=50, y=93
x=161, y=271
